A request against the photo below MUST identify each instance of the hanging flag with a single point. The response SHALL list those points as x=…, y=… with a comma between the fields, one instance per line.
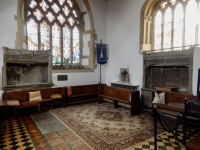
x=198, y=83
x=101, y=53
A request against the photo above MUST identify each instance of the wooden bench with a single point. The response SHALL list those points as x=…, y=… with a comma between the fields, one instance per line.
x=81, y=93
x=174, y=102
x=120, y=95
x=27, y=105
x=23, y=98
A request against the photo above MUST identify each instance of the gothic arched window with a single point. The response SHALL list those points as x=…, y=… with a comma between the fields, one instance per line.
x=170, y=24
x=55, y=25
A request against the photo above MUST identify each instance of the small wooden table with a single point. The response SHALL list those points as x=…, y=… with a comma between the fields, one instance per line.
x=26, y=105
x=3, y=104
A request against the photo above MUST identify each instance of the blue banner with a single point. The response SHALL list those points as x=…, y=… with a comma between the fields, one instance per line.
x=198, y=83
x=101, y=53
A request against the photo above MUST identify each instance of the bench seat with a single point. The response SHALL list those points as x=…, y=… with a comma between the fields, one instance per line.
x=47, y=101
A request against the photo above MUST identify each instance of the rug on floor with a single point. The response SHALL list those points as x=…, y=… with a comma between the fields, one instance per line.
x=103, y=127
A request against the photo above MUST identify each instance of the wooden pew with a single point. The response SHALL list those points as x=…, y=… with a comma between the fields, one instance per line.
x=174, y=102
x=126, y=96
x=81, y=93
x=47, y=101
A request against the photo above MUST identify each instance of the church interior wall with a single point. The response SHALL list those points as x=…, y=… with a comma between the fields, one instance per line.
x=116, y=23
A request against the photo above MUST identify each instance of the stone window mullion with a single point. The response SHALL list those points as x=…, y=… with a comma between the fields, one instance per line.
x=183, y=38
x=162, y=30
x=71, y=45
x=197, y=24
x=39, y=36
x=172, y=31
x=153, y=28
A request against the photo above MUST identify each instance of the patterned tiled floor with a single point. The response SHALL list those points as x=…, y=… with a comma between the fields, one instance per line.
x=18, y=138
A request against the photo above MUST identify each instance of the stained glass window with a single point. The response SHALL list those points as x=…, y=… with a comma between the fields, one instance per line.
x=54, y=25
x=178, y=25
x=157, y=31
x=190, y=22
x=167, y=28
x=32, y=28
x=66, y=42
x=178, y=20
x=45, y=36
x=76, y=42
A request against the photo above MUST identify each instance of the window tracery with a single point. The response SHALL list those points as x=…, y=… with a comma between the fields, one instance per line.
x=174, y=24
x=55, y=25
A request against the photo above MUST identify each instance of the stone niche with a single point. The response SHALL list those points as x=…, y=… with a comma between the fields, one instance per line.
x=124, y=76
x=25, y=70
x=173, y=69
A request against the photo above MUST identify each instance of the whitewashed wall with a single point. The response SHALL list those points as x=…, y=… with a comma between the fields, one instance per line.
x=123, y=30
x=8, y=27
x=117, y=23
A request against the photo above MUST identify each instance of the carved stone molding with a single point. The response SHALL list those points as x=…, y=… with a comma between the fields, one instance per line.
x=172, y=67
x=25, y=69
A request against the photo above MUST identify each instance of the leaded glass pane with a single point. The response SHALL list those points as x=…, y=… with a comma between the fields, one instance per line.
x=66, y=10
x=74, y=12
x=33, y=4
x=178, y=25
x=61, y=2
x=45, y=36
x=66, y=42
x=38, y=14
x=190, y=23
x=157, y=31
x=29, y=13
x=55, y=8
x=70, y=3
x=76, y=45
x=61, y=19
x=71, y=21
x=32, y=35
x=56, y=44
x=167, y=28
x=44, y=5
x=50, y=16
x=173, y=2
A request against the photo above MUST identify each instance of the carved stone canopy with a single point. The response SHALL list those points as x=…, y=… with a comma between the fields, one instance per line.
x=173, y=68
x=26, y=69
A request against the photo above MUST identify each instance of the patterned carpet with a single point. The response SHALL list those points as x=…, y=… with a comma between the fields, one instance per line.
x=103, y=127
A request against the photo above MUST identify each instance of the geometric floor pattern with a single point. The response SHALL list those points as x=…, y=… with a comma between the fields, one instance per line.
x=166, y=141
x=18, y=138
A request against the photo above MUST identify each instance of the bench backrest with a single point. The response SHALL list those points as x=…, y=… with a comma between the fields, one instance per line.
x=118, y=93
x=174, y=97
x=83, y=89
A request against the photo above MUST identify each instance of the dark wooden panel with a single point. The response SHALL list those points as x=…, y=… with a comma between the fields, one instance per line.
x=83, y=93
x=127, y=96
